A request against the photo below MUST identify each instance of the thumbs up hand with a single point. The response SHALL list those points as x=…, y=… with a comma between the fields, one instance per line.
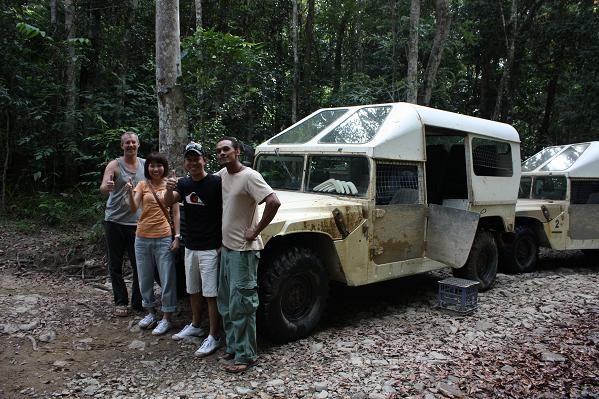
x=110, y=183
x=129, y=186
x=171, y=182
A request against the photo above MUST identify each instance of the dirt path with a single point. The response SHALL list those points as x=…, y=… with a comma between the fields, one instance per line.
x=534, y=335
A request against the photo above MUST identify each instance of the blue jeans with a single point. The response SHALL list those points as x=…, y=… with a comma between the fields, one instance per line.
x=150, y=252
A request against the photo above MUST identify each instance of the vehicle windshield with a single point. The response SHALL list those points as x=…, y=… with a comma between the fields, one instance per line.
x=358, y=128
x=540, y=158
x=281, y=171
x=336, y=174
x=309, y=128
x=548, y=187
x=567, y=158
x=339, y=174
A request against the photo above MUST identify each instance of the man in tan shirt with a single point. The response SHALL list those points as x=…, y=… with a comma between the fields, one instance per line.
x=243, y=189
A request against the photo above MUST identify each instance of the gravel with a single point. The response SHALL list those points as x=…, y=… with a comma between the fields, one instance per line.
x=533, y=335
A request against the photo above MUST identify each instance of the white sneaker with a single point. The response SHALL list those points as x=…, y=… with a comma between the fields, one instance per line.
x=147, y=322
x=208, y=347
x=189, y=331
x=162, y=327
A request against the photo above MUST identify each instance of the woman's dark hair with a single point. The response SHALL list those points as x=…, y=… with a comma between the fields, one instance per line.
x=233, y=141
x=155, y=157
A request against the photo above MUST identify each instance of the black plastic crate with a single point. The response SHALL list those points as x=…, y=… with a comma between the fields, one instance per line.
x=458, y=295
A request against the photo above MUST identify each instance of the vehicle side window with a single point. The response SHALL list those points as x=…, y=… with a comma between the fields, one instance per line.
x=396, y=184
x=491, y=158
x=549, y=187
x=584, y=191
x=525, y=185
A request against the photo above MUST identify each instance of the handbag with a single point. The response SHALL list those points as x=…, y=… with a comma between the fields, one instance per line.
x=166, y=213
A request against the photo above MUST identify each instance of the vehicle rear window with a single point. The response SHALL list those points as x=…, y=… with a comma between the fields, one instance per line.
x=491, y=158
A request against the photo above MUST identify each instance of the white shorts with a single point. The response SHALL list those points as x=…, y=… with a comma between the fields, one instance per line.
x=201, y=272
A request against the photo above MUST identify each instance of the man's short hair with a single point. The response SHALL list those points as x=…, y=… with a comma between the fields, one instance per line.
x=129, y=134
x=233, y=141
x=155, y=157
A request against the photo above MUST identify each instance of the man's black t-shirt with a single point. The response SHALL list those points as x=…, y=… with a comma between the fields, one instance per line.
x=203, y=207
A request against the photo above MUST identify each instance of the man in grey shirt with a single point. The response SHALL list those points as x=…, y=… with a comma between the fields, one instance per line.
x=120, y=223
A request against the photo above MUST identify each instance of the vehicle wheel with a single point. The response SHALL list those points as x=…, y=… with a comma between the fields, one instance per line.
x=293, y=294
x=522, y=255
x=482, y=262
x=592, y=254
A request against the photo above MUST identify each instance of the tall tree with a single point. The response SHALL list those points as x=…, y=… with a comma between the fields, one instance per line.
x=412, y=76
x=198, y=8
x=510, y=44
x=443, y=21
x=172, y=118
x=295, y=45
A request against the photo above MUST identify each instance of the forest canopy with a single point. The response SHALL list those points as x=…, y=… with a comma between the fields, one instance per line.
x=76, y=74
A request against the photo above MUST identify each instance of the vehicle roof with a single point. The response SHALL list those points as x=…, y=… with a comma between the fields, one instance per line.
x=586, y=164
x=400, y=136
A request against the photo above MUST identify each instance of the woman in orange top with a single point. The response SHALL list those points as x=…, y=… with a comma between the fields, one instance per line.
x=153, y=243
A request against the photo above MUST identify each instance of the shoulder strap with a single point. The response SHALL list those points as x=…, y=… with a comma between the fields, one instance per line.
x=166, y=214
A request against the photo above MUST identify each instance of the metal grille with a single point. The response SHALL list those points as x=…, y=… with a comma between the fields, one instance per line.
x=391, y=178
x=491, y=158
x=584, y=191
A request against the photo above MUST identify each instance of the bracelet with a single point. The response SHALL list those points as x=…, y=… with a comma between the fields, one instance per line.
x=178, y=236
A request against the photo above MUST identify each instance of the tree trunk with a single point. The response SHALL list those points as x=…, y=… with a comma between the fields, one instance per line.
x=6, y=163
x=434, y=60
x=64, y=161
x=295, y=42
x=198, y=4
x=71, y=66
x=543, y=135
x=172, y=118
x=412, y=78
x=89, y=68
x=339, y=51
x=126, y=46
x=53, y=14
x=395, y=71
x=307, y=64
x=511, y=47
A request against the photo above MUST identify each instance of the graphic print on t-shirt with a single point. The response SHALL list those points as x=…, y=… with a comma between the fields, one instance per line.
x=194, y=199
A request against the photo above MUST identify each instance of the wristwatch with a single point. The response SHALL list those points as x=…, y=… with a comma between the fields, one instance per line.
x=178, y=236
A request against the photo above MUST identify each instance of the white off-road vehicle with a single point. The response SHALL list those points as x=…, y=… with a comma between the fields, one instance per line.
x=376, y=192
x=558, y=205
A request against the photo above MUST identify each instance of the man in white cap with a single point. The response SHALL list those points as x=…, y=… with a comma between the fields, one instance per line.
x=202, y=206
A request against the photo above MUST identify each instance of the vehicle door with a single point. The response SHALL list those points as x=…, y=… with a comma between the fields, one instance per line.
x=400, y=213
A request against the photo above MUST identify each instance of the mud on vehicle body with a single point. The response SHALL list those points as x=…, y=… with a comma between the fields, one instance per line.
x=558, y=204
x=376, y=192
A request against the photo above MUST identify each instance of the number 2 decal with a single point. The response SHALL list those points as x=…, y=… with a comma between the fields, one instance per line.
x=557, y=223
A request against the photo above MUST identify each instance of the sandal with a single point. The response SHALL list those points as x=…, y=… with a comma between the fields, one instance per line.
x=121, y=311
x=237, y=368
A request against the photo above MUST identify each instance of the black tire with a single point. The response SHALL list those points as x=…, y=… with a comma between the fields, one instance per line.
x=482, y=261
x=521, y=256
x=294, y=288
x=592, y=254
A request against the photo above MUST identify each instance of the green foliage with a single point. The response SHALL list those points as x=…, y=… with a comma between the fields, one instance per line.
x=238, y=76
x=226, y=86
x=64, y=209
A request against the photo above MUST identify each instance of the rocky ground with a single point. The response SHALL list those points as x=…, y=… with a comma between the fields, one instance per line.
x=534, y=335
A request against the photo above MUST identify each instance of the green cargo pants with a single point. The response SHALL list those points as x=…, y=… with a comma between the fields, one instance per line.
x=237, y=302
